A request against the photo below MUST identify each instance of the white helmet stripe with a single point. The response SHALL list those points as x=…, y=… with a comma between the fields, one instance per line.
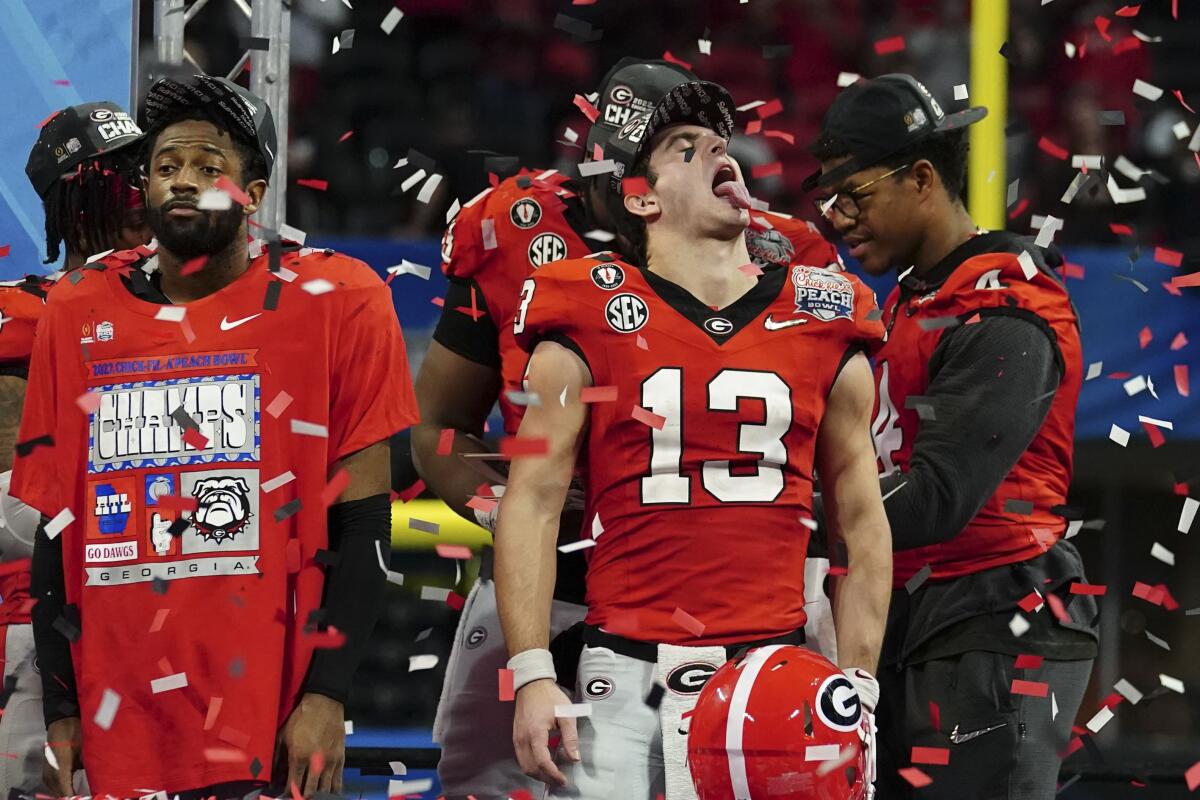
x=737, y=717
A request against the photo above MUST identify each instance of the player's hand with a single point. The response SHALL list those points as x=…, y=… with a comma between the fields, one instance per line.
x=312, y=745
x=866, y=686
x=64, y=741
x=532, y=722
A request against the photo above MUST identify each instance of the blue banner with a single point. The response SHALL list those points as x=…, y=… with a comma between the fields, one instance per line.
x=56, y=53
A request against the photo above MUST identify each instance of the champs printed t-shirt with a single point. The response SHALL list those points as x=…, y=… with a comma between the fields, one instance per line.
x=189, y=446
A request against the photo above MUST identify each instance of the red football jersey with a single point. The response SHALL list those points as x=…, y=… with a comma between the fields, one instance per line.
x=21, y=306
x=226, y=421
x=700, y=471
x=505, y=233
x=989, y=282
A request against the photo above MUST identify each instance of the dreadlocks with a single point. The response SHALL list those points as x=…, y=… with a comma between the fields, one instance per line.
x=88, y=209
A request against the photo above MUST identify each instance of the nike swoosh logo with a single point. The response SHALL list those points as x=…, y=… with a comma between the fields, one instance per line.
x=778, y=325
x=959, y=738
x=226, y=325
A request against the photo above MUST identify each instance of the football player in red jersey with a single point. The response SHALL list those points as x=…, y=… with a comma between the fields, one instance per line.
x=697, y=398
x=492, y=246
x=974, y=424
x=215, y=492
x=83, y=166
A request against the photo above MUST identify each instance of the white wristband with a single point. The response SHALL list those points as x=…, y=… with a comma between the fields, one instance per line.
x=866, y=686
x=531, y=665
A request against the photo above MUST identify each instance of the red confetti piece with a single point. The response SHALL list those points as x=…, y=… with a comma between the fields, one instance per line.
x=1030, y=602
x=195, y=438
x=935, y=716
x=176, y=504
x=766, y=170
x=1051, y=149
x=507, y=695
x=61, y=82
x=1184, y=281
x=224, y=755
x=839, y=572
x=598, y=394
x=475, y=314
x=293, y=556
x=1057, y=608
x=1181, y=379
x=1172, y=258
x=1075, y=743
x=686, y=621
x=329, y=639
x=1019, y=209
x=279, y=404
x=193, y=265
x=339, y=481
x=345, y=136
x=636, y=186
x=234, y=737
x=917, y=778
x=1119, y=229
x=784, y=135
x=753, y=126
x=1096, y=589
x=454, y=551
x=1179, y=342
x=313, y=183
x=482, y=504
x=1120, y=376
x=456, y=601
x=753, y=270
x=412, y=491
x=668, y=57
x=1070, y=270
x=4, y=250
x=160, y=617
x=230, y=188
x=316, y=764
x=214, y=710
x=1145, y=336
x=1102, y=25
x=1026, y=661
x=885, y=47
x=641, y=343
x=1151, y=594
x=1112, y=701
x=1128, y=11
x=648, y=418
x=88, y=402
x=1030, y=688
x=445, y=441
x=1179, y=96
x=1126, y=44
x=518, y=446
x=1156, y=436
x=769, y=108
x=1192, y=776
x=589, y=110
x=931, y=755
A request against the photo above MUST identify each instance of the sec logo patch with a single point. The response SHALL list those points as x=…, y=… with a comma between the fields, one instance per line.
x=626, y=313
x=525, y=213
x=546, y=247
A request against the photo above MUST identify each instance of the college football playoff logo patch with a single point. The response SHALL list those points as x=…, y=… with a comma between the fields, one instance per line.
x=546, y=247
x=525, y=213
x=608, y=276
x=626, y=313
x=823, y=294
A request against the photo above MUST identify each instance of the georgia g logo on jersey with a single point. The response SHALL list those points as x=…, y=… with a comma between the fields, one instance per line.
x=838, y=704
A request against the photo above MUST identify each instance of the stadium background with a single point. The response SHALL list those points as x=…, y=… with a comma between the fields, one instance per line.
x=466, y=88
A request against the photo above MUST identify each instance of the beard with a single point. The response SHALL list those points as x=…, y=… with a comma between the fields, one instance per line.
x=206, y=234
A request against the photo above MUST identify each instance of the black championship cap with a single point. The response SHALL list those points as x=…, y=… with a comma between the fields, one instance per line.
x=630, y=89
x=692, y=103
x=74, y=135
x=247, y=113
x=882, y=116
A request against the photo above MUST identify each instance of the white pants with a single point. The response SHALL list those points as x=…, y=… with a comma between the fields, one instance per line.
x=22, y=726
x=473, y=727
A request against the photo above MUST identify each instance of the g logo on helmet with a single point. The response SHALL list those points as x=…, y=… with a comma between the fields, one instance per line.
x=690, y=678
x=838, y=704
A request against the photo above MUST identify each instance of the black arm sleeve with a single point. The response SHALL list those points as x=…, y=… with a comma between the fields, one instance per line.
x=476, y=340
x=52, y=624
x=359, y=538
x=991, y=386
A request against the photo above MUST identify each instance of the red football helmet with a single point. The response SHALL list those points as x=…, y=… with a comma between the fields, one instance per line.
x=779, y=723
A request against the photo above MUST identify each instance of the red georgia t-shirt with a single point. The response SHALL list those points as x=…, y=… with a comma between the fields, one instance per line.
x=233, y=418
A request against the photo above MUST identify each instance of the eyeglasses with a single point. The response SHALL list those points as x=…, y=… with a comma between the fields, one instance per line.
x=847, y=202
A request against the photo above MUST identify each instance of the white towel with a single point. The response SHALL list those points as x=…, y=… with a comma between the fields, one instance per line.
x=687, y=669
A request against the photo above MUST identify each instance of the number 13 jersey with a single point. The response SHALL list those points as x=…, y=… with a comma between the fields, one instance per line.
x=699, y=470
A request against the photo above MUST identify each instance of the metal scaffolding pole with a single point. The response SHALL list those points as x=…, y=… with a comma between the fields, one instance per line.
x=269, y=74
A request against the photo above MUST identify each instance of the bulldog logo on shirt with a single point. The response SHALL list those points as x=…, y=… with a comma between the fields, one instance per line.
x=223, y=508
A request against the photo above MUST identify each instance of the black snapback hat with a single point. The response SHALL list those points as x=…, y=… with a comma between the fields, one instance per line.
x=74, y=135
x=881, y=116
x=246, y=112
x=632, y=88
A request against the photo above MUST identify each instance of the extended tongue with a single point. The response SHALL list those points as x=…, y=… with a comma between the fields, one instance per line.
x=735, y=193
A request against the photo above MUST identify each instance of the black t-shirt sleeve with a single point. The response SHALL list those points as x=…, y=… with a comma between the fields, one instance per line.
x=991, y=386
x=476, y=340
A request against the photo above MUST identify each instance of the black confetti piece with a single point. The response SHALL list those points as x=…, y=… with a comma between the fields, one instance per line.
x=184, y=420
x=770, y=51
x=67, y=623
x=1110, y=117
x=346, y=39
x=874, y=314
x=1006, y=52
x=237, y=667
x=916, y=581
x=1067, y=512
x=577, y=28
x=159, y=586
x=316, y=618
x=524, y=182
x=10, y=686
x=418, y=160
x=178, y=527
x=808, y=725
x=329, y=558
x=922, y=405
x=937, y=323
x=254, y=43
x=274, y=254
x=287, y=509
x=75, y=276
x=1069, y=782
x=271, y=301
x=1021, y=508
x=29, y=445
x=1093, y=749
x=654, y=698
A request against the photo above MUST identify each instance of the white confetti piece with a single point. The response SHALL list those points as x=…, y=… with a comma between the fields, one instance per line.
x=811, y=524
x=570, y=135
x=1129, y=169
x=1160, y=642
x=705, y=46
x=391, y=20
x=1159, y=423
x=1010, y=197
x=1146, y=90
x=405, y=788
x=99, y=256
x=398, y=767
x=1073, y=527
x=337, y=45
x=600, y=235
x=1121, y=196
x=1095, y=369
x=488, y=227
x=1162, y=554
x=1072, y=190
x=845, y=79
x=349, y=727
x=309, y=429
x=453, y=211
x=214, y=200
x=171, y=313
x=379, y=557
x=1128, y=691
x=1018, y=625
x=1186, y=517
x=573, y=710
x=1102, y=718
x=292, y=234
x=400, y=163
x=1135, y=385
x=960, y=91
x=317, y=286
x=436, y=593
x=429, y=188
x=277, y=481
x=1174, y=684
x=1028, y=268
x=406, y=267
x=422, y=662
x=1051, y=226
x=1081, y=161
x=562, y=398
x=1194, y=144
x=61, y=520
x=1181, y=130
x=597, y=527
x=1053, y=707
x=752, y=104
x=50, y=759
x=575, y=547
x=1068, y=47
x=109, y=704
x=1119, y=435
x=821, y=752
x=1148, y=39
x=412, y=180
x=169, y=682
x=395, y=577
x=525, y=398
x=589, y=169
